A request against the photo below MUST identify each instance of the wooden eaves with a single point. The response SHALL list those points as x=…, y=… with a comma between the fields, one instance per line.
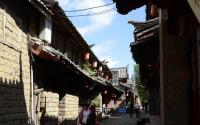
x=49, y=53
x=59, y=13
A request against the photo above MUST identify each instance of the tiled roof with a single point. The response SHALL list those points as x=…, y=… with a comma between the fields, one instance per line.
x=145, y=30
x=141, y=26
x=57, y=10
x=42, y=3
x=47, y=52
x=145, y=46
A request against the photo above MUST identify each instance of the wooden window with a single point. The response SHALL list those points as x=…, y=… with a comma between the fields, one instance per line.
x=14, y=10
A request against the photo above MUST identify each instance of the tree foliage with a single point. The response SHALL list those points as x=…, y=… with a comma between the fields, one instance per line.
x=139, y=86
x=89, y=69
x=96, y=101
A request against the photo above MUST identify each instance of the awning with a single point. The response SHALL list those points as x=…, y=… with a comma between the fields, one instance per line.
x=46, y=52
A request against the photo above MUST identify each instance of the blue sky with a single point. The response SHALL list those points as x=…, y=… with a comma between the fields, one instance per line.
x=110, y=31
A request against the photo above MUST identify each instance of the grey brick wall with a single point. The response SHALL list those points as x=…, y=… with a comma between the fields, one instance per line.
x=68, y=108
x=15, y=98
x=50, y=101
x=14, y=72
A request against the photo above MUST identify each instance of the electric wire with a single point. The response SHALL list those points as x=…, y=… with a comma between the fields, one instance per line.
x=93, y=14
x=89, y=8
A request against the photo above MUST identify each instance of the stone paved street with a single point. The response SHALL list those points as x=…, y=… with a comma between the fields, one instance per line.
x=125, y=119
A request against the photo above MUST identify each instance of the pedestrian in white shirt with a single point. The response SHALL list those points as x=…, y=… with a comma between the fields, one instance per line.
x=137, y=110
x=83, y=118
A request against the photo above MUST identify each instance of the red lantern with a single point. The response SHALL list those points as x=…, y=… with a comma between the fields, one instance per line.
x=94, y=64
x=154, y=10
x=105, y=92
x=87, y=56
x=100, y=68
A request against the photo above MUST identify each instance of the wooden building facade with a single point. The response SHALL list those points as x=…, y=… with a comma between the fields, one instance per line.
x=173, y=66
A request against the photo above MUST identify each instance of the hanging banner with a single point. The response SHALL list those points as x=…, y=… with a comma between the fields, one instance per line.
x=195, y=5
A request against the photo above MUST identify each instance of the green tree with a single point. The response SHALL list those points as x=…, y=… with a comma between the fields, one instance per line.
x=88, y=68
x=96, y=101
x=139, y=86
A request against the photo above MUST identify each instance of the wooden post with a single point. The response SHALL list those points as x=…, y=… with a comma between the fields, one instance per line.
x=174, y=74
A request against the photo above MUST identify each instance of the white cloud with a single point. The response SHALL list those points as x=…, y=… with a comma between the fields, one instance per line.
x=102, y=50
x=95, y=23
x=103, y=47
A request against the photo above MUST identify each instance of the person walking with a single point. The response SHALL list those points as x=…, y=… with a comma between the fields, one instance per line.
x=83, y=117
x=137, y=110
x=92, y=117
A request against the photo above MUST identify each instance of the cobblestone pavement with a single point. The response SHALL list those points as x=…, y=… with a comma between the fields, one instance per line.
x=125, y=119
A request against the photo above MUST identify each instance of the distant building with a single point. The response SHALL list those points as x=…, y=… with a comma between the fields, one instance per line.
x=120, y=79
x=120, y=74
x=115, y=78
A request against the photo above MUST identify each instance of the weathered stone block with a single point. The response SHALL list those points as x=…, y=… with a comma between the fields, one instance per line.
x=1, y=31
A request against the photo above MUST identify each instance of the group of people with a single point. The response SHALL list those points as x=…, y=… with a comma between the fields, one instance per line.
x=135, y=108
x=87, y=116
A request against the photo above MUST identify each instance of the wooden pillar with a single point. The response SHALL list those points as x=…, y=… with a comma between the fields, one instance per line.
x=153, y=101
x=174, y=74
x=196, y=86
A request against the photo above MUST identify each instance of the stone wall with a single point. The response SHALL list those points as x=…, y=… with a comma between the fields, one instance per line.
x=68, y=108
x=14, y=71
x=15, y=78
x=1, y=21
x=50, y=101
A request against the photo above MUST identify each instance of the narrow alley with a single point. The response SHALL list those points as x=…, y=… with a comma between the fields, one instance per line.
x=92, y=62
